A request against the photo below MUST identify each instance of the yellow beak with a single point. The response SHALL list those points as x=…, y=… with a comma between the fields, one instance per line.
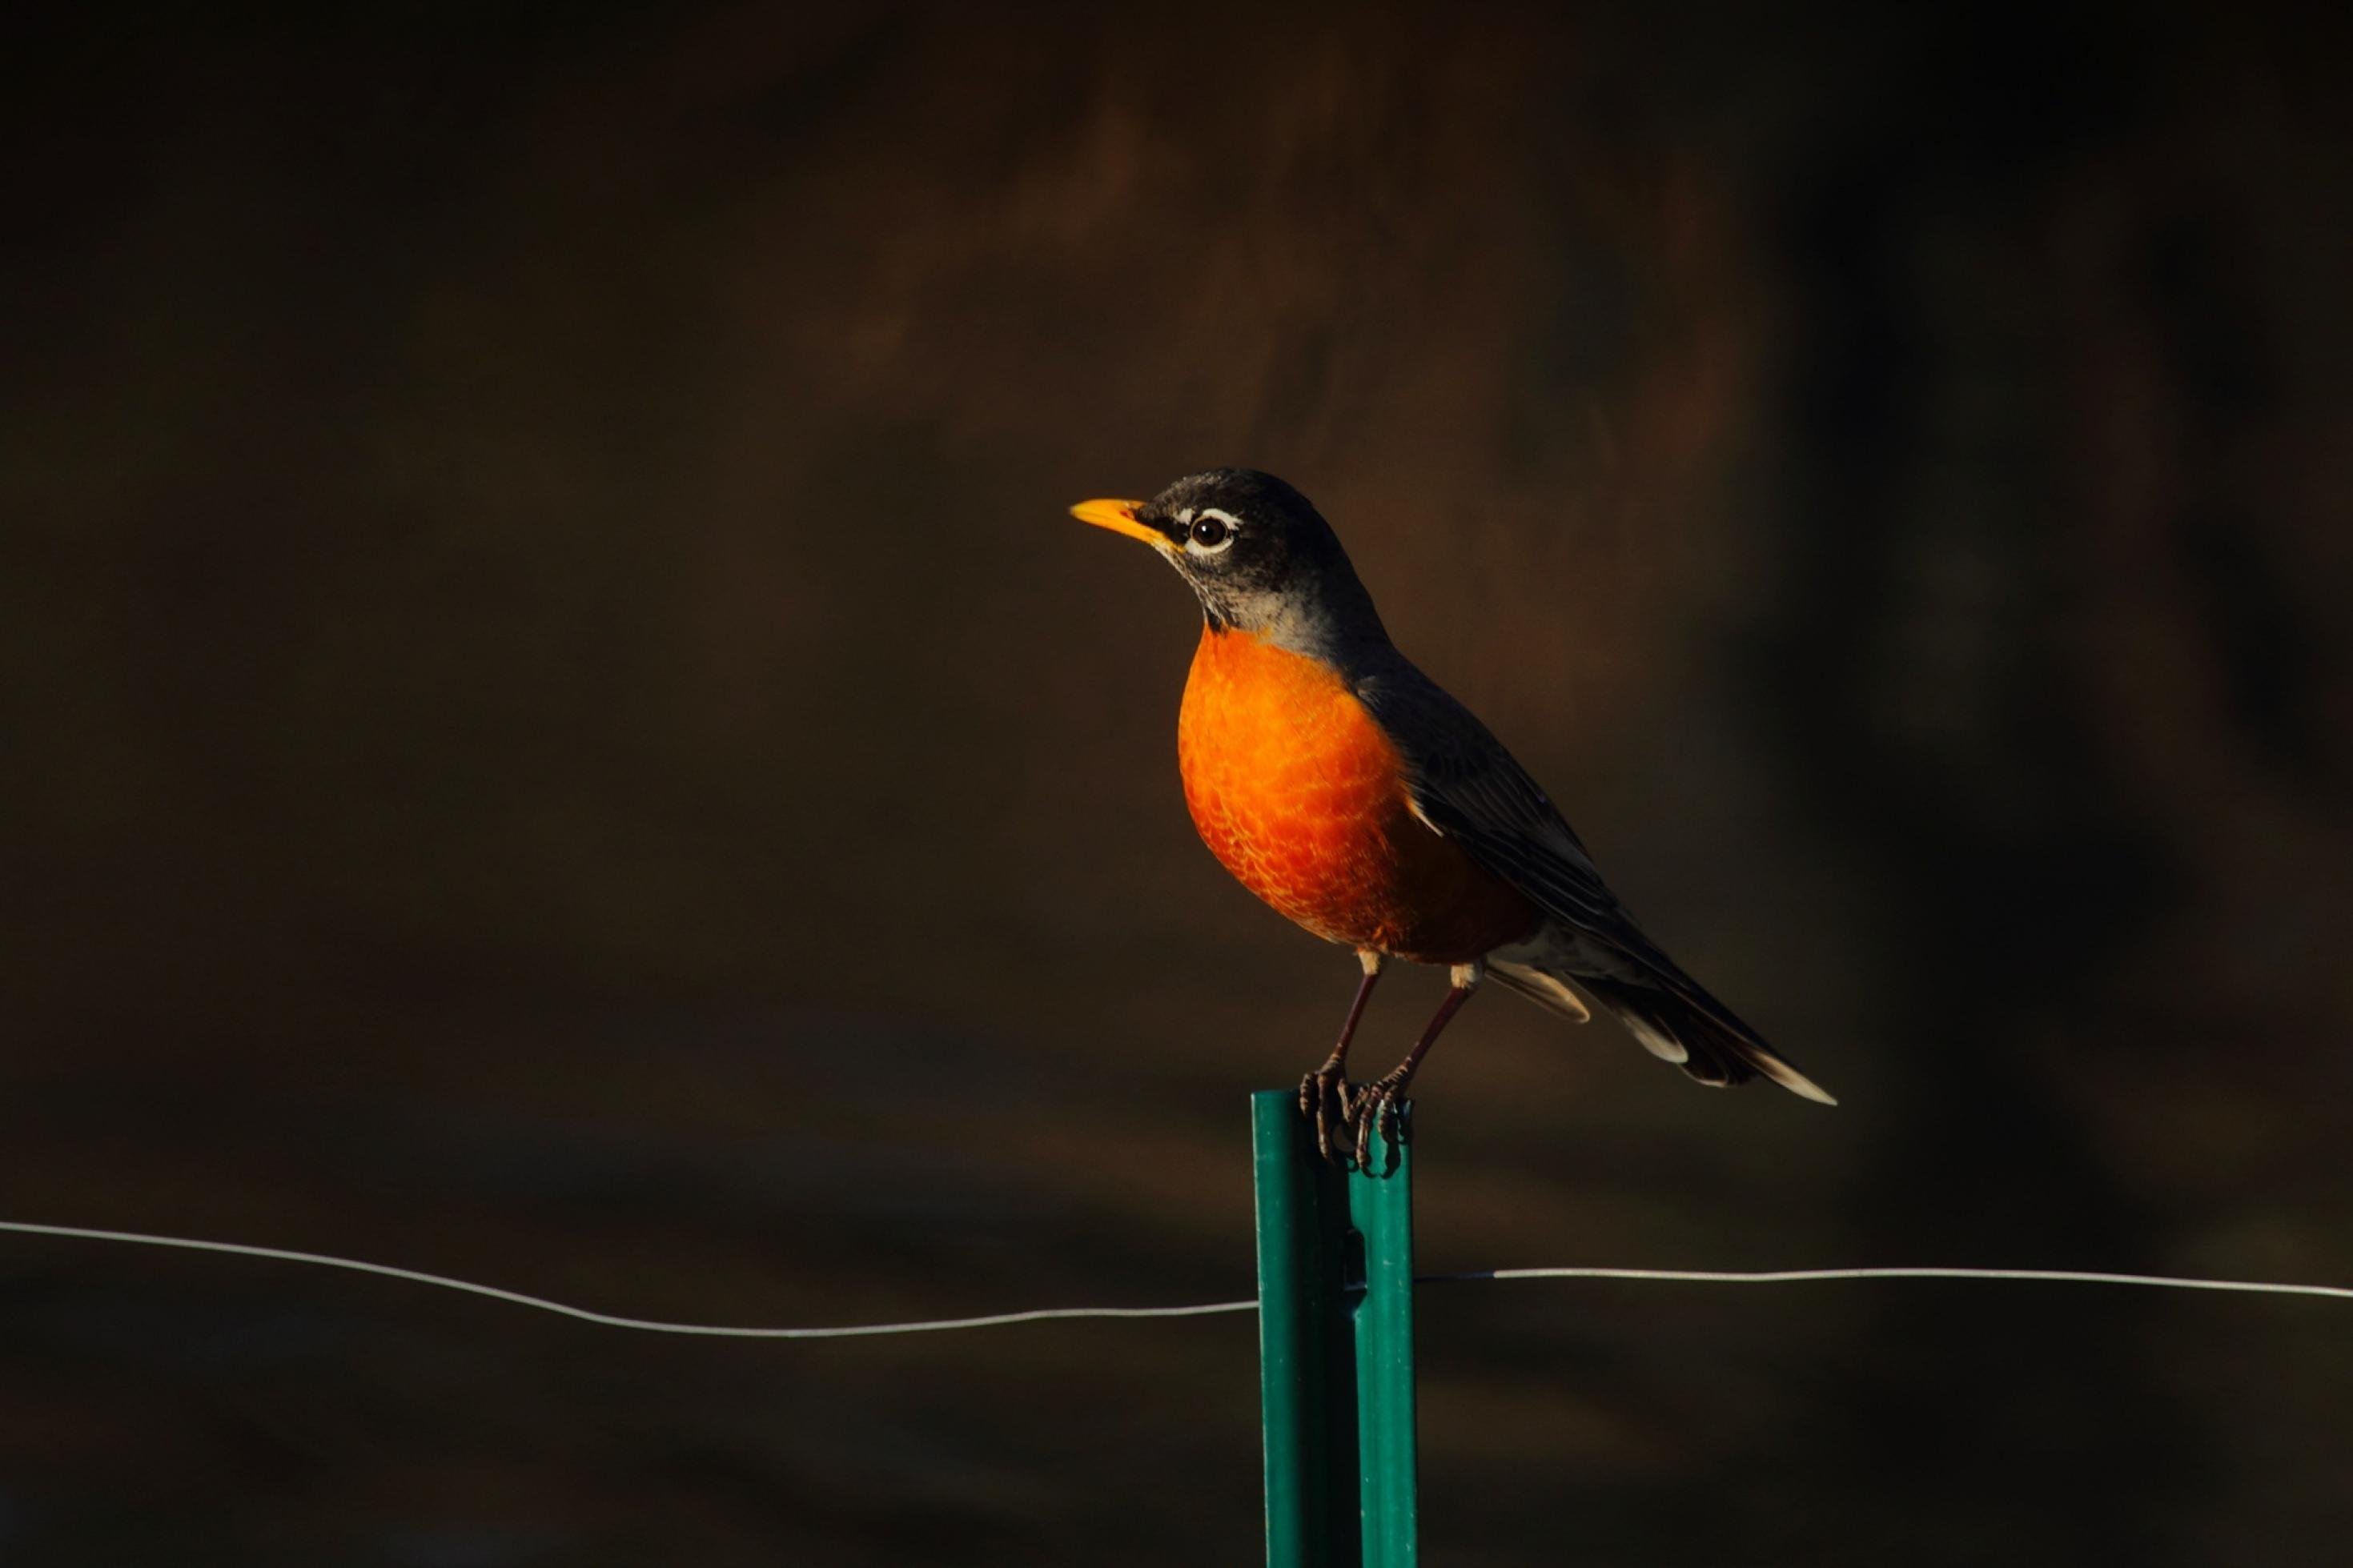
x=1119, y=516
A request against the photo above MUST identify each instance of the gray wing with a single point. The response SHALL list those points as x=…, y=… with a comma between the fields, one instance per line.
x=1467, y=787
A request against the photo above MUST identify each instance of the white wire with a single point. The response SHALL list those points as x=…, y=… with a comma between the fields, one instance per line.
x=1798, y=1276
x=647, y=1325
x=1208, y=1309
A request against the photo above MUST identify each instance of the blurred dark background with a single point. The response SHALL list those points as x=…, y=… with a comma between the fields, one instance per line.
x=556, y=732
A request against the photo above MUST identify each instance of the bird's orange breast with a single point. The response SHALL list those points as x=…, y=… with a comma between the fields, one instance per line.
x=1296, y=788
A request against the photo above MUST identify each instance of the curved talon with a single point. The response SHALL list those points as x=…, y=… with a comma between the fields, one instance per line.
x=1325, y=1097
x=1377, y=1122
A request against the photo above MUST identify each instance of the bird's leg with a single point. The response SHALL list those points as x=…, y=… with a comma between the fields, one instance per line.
x=1325, y=1092
x=1375, y=1107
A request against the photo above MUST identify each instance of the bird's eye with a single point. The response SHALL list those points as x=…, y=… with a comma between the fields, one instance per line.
x=1208, y=532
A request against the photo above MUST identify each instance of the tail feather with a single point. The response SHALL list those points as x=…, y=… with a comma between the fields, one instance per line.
x=1710, y=1045
x=1546, y=991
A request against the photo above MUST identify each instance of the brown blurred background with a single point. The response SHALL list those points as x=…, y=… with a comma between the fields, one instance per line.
x=558, y=732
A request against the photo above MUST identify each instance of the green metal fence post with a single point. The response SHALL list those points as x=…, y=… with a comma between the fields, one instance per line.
x=1306, y=1385
x=1382, y=1209
x=1336, y=1349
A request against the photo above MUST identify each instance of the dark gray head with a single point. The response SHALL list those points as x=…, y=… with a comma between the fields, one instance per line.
x=1260, y=557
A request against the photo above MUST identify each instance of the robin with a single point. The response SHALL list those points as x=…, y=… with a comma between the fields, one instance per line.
x=1344, y=787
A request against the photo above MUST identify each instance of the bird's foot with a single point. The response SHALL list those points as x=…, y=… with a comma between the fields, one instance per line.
x=1378, y=1111
x=1326, y=1097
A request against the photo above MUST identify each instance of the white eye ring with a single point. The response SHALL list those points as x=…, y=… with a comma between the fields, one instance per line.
x=1210, y=531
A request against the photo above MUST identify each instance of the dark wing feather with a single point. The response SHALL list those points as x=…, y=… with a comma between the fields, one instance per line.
x=1467, y=787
